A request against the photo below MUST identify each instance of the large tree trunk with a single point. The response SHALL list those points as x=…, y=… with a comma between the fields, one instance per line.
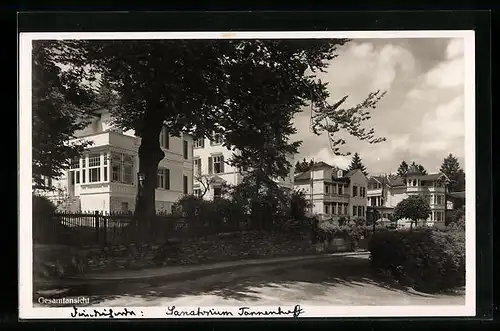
x=150, y=154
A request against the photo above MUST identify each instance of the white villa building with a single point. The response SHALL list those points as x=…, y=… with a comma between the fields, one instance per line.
x=211, y=170
x=105, y=177
x=385, y=192
x=334, y=193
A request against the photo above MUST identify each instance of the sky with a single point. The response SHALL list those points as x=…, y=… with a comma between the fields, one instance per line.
x=421, y=116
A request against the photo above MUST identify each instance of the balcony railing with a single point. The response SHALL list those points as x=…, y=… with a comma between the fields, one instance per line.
x=336, y=197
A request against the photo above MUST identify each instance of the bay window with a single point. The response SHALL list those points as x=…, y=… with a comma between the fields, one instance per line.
x=122, y=168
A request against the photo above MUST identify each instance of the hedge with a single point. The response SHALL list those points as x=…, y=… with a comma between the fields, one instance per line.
x=424, y=259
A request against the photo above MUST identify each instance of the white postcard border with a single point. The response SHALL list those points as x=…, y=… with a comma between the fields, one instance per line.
x=28, y=311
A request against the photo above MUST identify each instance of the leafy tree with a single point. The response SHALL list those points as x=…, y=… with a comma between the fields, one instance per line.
x=246, y=90
x=60, y=106
x=304, y=165
x=356, y=163
x=206, y=182
x=414, y=208
x=403, y=169
x=299, y=204
x=451, y=168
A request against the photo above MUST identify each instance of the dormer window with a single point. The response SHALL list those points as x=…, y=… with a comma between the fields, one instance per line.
x=340, y=173
x=216, y=139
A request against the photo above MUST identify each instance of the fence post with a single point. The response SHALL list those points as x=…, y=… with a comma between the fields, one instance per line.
x=105, y=218
x=96, y=220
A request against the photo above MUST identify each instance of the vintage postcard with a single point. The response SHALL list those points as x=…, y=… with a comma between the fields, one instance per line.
x=247, y=174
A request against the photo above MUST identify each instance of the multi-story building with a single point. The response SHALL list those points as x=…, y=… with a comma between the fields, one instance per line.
x=334, y=193
x=211, y=170
x=385, y=192
x=104, y=178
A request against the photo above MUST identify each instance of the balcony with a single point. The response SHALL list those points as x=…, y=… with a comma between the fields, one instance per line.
x=333, y=197
x=374, y=192
x=110, y=138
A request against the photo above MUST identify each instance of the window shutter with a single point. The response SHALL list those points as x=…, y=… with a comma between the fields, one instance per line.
x=222, y=163
x=202, y=142
x=210, y=165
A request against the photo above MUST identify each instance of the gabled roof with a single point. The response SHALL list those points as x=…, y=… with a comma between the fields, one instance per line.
x=396, y=181
x=306, y=175
x=413, y=170
x=303, y=175
x=351, y=172
x=390, y=180
x=433, y=177
x=322, y=165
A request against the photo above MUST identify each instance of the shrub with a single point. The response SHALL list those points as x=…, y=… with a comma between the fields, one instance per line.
x=348, y=232
x=298, y=205
x=343, y=220
x=425, y=259
x=42, y=206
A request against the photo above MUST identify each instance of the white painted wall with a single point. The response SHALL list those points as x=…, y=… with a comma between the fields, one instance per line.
x=359, y=180
x=106, y=195
x=231, y=174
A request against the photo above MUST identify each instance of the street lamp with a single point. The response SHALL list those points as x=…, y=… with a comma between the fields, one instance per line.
x=140, y=180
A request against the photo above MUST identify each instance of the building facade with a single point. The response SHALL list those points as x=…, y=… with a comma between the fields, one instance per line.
x=104, y=178
x=211, y=170
x=334, y=193
x=385, y=192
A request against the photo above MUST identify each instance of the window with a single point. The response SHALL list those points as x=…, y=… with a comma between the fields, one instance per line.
x=125, y=207
x=346, y=206
x=354, y=210
x=363, y=191
x=75, y=163
x=105, y=169
x=326, y=209
x=199, y=143
x=185, y=149
x=327, y=188
x=84, y=177
x=340, y=189
x=167, y=178
x=354, y=191
x=185, y=184
x=197, y=192
x=197, y=167
x=164, y=139
x=216, y=164
x=163, y=179
x=363, y=211
x=216, y=139
x=160, y=178
x=360, y=213
x=94, y=168
x=128, y=165
x=334, y=188
x=439, y=199
x=217, y=192
x=94, y=175
x=122, y=168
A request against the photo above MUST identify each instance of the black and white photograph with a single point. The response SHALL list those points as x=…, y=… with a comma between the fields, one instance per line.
x=247, y=174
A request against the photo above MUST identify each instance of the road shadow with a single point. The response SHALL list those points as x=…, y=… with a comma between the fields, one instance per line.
x=247, y=283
